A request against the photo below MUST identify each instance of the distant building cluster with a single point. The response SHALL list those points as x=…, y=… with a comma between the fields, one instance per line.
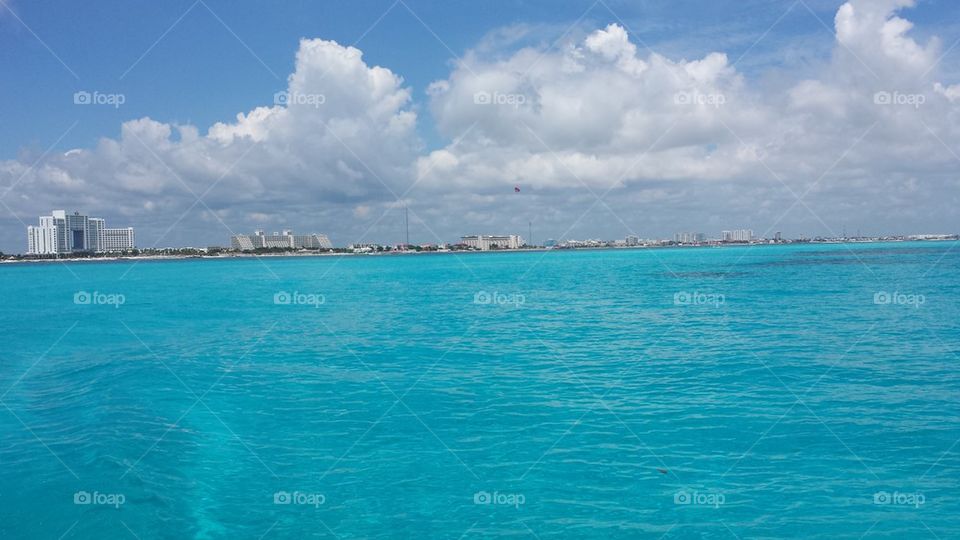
x=739, y=235
x=284, y=240
x=62, y=233
x=590, y=243
x=680, y=238
x=735, y=236
x=690, y=238
x=487, y=242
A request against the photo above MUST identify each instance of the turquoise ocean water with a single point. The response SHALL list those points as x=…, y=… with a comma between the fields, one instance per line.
x=766, y=392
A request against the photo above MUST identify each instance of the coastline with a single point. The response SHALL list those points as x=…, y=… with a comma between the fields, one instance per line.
x=448, y=252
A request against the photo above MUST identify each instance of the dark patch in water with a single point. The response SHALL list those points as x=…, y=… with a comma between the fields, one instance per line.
x=705, y=275
x=877, y=256
x=875, y=252
x=810, y=262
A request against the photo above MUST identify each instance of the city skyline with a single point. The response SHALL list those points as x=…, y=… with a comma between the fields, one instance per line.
x=53, y=237
x=596, y=123
x=63, y=233
x=678, y=236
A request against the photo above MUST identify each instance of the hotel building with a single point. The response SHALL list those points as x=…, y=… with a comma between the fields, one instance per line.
x=284, y=240
x=487, y=242
x=63, y=233
x=690, y=238
x=739, y=235
x=117, y=239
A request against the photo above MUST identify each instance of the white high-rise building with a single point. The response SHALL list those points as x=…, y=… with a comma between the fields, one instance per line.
x=689, y=238
x=243, y=242
x=739, y=235
x=486, y=242
x=312, y=241
x=118, y=239
x=42, y=240
x=62, y=233
x=96, y=228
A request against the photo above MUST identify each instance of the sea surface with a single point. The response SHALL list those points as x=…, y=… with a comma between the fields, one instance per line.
x=742, y=392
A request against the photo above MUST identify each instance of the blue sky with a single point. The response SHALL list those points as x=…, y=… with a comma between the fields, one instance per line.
x=598, y=144
x=200, y=72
